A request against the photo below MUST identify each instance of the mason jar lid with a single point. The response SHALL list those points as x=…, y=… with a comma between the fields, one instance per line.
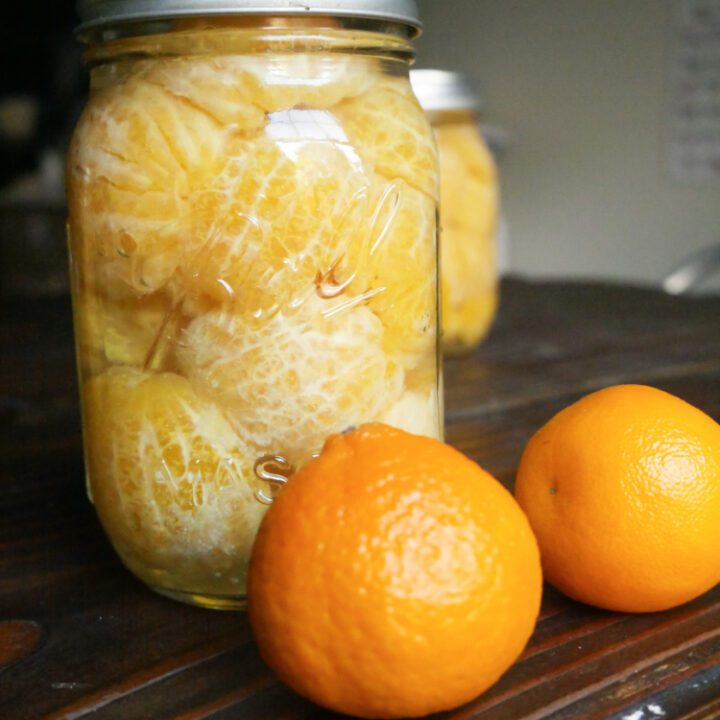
x=95, y=13
x=443, y=90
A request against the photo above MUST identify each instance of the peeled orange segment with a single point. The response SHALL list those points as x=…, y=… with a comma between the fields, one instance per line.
x=424, y=374
x=119, y=330
x=391, y=134
x=239, y=89
x=281, y=211
x=469, y=217
x=137, y=160
x=313, y=80
x=221, y=87
x=470, y=318
x=395, y=267
x=289, y=381
x=415, y=412
x=171, y=480
x=469, y=175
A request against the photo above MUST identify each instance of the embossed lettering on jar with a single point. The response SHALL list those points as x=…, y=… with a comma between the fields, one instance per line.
x=253, y=252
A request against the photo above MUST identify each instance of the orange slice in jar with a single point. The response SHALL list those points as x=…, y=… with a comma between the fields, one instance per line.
x=390, y=132
x=215, y=86
x=239, y=89
x=120, y=330
x=395, y=267
x=280, y=212
x=171, y=480
x=469, y=202
x=416, y=412
x=310, y=80
x=138, y=157
x=288, y=381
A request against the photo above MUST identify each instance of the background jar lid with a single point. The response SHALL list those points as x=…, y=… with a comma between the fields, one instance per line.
x=443, y=90
x=96, y=13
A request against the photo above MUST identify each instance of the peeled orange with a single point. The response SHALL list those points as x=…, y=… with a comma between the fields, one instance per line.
x=172, y=482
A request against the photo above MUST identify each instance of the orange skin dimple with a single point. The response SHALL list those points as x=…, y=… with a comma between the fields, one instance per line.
x=392, y=577
x=623, y=492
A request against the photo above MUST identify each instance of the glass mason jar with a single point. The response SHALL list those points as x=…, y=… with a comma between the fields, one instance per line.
x=468, y=209
x=252, y=230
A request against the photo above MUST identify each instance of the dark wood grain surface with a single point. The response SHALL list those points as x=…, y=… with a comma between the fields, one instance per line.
x=81, y=638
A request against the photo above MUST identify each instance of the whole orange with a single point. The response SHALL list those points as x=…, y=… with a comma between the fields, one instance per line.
x=392, y=577
x=622, y=490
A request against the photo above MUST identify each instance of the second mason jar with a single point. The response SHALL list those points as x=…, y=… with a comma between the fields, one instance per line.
x=252, y=228
x=468, y=208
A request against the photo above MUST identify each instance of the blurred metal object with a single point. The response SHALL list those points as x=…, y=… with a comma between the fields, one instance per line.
x=33, y=250
x=688, y=275
x=18, y=117
x=96, y=13
x=443, y=90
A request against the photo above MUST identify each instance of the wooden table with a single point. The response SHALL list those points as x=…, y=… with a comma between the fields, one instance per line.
x=80, y=637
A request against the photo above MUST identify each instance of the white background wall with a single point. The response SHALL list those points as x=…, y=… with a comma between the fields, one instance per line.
x=582, y=87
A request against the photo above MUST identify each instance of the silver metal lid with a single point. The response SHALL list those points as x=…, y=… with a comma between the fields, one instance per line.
x=443, y=90
x=95, y=13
